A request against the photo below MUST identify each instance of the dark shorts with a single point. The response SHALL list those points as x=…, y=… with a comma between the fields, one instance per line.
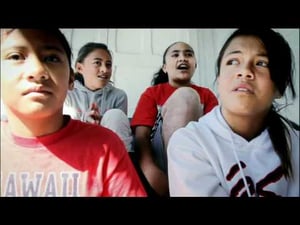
x=158, y=147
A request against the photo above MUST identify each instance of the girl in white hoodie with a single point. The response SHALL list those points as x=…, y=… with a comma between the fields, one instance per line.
x=243, y=147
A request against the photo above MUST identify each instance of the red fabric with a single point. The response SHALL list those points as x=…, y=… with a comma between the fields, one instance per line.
x=79, y=160
x=155, y=96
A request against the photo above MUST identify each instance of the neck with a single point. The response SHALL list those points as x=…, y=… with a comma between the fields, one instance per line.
x=180, y=83
x=244, y=125
x=35, y=127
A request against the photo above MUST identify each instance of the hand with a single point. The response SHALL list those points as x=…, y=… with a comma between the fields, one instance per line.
x=93, y=115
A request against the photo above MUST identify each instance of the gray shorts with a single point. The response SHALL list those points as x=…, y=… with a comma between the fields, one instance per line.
x=160, y=155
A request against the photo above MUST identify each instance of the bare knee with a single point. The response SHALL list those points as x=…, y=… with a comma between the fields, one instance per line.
x=114, y=114
x=184, y=101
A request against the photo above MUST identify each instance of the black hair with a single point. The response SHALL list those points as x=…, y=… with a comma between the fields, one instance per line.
x=59, y=36
x=64, y=42
x=84, y=52
x=281, y=67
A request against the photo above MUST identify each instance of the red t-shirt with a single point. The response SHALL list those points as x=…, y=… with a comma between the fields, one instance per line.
x=79, y=160
x=155, y=96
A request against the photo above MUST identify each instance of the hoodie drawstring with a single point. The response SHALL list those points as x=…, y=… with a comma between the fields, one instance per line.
x=240, y=166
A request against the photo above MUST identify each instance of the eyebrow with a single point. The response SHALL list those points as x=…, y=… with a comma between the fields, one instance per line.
x=53, y=47
x=101, y=59
x=233, y=52
x=186, y=50
x=45, y=47
x=238, y=51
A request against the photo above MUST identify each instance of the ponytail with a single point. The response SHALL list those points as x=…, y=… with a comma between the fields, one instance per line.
x=281, y=139
x=159, y=77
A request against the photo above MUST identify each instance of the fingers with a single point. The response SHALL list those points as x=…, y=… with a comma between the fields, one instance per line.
x=95, y=107
x=93, y=116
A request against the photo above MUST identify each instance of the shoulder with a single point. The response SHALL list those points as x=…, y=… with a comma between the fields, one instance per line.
x=204, y=123
x=93, y=141
x=159, y=88
x=149, y=90
x=202, y=90
x=77, y=90
x=93, y=131
x=116, y=90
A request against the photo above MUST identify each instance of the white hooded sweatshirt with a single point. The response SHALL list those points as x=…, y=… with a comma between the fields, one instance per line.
x=206, y=158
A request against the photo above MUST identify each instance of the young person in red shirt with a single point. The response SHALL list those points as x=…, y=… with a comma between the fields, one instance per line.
x=43, y=152
x=169, y=104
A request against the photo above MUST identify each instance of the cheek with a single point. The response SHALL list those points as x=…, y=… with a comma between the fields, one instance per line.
x=222, y=83
x=220, y=89
x=62, y=77
x=267, y=87
x=9, y=93
x=85, y=71
x=9, y=73
x=109, y=71
x=3, y=89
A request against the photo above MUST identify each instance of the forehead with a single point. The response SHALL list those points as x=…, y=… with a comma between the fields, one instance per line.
x=180, y=47
x=246, y=42
x=28, y=37
x=99, y=53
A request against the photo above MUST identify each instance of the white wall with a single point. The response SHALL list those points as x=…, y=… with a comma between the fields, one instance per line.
x=137, y=54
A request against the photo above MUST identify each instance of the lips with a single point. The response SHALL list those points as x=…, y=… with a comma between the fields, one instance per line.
x=183, y=66
x=37, y=89
x=102, y=77
x=243, y=88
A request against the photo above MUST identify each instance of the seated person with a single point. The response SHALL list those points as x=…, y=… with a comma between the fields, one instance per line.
x=94, y=99
x=169, y=104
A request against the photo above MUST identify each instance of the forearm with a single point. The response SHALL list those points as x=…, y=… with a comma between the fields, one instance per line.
x=157, y=179
x=154, y=175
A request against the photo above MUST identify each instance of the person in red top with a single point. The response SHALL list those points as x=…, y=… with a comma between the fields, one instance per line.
x=170, y=103
x=43, y=152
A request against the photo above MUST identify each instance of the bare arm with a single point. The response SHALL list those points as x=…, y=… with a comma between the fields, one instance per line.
x=155, y=176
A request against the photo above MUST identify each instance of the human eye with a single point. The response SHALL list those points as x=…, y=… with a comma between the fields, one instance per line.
x=97, y=63
x=262, y=63
x=189, y=53
x=108, y=65
x=53, y=58
x=175, y=55
x=15, y=56
x=232, y=62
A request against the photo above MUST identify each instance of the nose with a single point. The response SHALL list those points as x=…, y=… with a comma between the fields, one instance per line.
x=36, y=70
x=182, y=58
x=104, y=69
x=246, y=73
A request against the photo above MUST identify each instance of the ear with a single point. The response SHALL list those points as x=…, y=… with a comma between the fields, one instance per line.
x=164, y=68
x=217, y=80
x=71, y=79
x=78, y=67
x=277, y=95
